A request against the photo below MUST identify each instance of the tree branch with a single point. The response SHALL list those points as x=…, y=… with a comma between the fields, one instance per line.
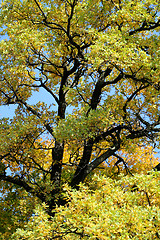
x=101, y=159
x=120, y=159
x=145, y=27
x=131, y=97
x=23, y=184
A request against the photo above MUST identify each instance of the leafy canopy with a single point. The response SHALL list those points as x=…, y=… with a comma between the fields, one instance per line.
x=98, y=64
x=105, y=209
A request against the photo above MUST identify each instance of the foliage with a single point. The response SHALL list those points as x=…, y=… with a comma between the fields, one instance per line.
x=16, y=208
x=95, y=67
x=105, y=209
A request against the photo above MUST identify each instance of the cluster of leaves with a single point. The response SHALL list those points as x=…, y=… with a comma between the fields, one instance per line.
x=128, y=208
x=16, y=209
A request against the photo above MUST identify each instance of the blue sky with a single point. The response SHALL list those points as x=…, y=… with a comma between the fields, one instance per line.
x=42, y=95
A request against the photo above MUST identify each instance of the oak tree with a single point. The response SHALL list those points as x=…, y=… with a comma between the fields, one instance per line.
x=97, y=63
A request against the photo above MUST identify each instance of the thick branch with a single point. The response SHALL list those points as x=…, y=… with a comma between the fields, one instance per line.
x=98, y=88
x=49, y=91
x=90, y=167
x=109, y=132
x=157, y=167
x=89, y=143
x=142, y=133
x=145, y=27
x=70, y=17
x=120, y=159
x=78, y=176
x=101, y=159
x=142, y=80
x=23, y=184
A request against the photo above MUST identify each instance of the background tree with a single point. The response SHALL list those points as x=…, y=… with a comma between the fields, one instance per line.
x=98, y=62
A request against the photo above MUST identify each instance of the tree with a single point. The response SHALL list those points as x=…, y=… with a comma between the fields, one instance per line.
x=98, y=62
